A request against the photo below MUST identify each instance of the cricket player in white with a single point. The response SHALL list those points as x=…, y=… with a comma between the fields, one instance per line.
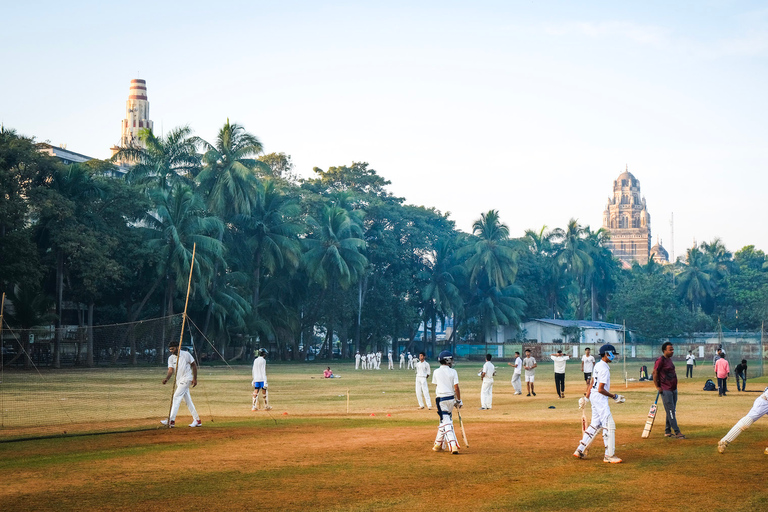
x=185, y=375
x=391, y=362
x=422, y=389
x=516, y=384
x=357, y=360
x=486, y=392
x=587, y=365
x=759, y=409
x=447, y=395
x=259, y=380
x=599, y=394
x=378, y=360
x=410, y=361
x=402, y=360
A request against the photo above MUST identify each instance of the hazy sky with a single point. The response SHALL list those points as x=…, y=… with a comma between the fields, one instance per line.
x=531, y=108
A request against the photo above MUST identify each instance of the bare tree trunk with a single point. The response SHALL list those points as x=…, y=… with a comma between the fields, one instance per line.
x=594, y=302
x=89, y=337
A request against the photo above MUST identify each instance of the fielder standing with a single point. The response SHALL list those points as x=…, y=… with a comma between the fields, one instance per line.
x=529, y=363
x=259, y=380
x=390, y=361
x=447, y=395
x=587, y=364
x=486, y=375
x=402, y=360
x=517, y=373
x=357, y=360
x=599, y=394
x=186, y=375
x=759, y=409
x=665, y=379
x=422, y=389
x=559, y=360
x=410, y=361
x=690, y=362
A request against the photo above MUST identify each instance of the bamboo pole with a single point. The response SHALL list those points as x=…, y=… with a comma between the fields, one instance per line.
x=181, y=336
x=347, y=400
x=624, y=350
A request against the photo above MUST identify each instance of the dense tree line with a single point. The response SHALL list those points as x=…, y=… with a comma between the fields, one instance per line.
x=330, y=261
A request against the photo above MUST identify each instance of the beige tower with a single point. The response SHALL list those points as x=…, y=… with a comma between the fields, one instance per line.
x=136, y=115
x=626, y=218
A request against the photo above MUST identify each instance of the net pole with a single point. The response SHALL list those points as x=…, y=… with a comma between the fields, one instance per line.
x=2, y=363
x=762, y=354
x=181, y=336
x=624, y=350
x=347, y=400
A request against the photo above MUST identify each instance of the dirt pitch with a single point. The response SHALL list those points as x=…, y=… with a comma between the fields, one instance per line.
x=319, y=457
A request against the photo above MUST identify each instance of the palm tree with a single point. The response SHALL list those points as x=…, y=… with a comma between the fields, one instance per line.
x=601, y=274
x=31, y=308
x=575, y=258
x=181, y=221
x=695, y=282
x=440, y=294
x=333, y=256
x=162, y=162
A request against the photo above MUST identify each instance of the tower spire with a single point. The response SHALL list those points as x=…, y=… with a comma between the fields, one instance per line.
x=136, y=116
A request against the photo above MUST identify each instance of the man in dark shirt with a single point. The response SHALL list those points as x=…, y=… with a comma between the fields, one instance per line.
x=741, y=373
x=665, y=380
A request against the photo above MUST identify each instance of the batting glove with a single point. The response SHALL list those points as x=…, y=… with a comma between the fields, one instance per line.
x=459, y=404
x=619, y=399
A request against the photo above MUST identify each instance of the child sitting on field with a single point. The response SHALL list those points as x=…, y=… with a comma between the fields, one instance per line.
x=328, y=374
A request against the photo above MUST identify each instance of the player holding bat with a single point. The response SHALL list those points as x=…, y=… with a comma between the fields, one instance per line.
x=598, y=395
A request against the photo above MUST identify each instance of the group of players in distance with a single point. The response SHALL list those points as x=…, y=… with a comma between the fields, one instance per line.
x=448, y=397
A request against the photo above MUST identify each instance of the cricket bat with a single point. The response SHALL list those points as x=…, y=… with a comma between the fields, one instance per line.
x=583, y=419
x=651, y=417
x=463, y=432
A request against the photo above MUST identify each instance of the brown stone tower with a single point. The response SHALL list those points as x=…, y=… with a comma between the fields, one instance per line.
x=627, y=220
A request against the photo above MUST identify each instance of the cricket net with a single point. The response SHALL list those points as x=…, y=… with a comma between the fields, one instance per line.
x=36, y=400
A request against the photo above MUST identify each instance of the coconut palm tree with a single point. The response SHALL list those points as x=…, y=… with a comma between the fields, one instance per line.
x=440, y=294
x=162, y=162
x=695, y=281
x=575, y=258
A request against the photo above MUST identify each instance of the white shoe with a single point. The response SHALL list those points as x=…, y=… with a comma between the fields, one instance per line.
x=612, y=459
x=268, y=408
x=721, y=446
x=196, y=423
x=578, y=454
x=165, y=422
x=254, y=409
x=438, y=447
x=766, y=451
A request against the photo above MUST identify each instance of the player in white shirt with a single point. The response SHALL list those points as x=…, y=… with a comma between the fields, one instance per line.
x=486, y=375
x=186, y=375
x=357, y=360
x=410, y=361
x=402, y=360
x=529, y=364
x=422, y=389
x=259, y=380
x=690, y=362
x=559, y=360
x=364, y=362
x=516, y=384
x=587, y=365
x=378, y=360
x=447, y=395
x=759, y=409
x=599, y=393
x=391, y=362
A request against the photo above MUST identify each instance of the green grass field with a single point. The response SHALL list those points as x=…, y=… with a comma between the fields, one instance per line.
x=309, y=453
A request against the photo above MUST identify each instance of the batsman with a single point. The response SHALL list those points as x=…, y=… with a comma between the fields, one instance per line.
x=447, y=396
x=599, y=393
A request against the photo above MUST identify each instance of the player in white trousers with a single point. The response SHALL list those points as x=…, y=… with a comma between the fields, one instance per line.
x=486, y=375
x=447, y=396
x=516, y=384
x=363, y=362
x=259, y=380
x=599, y=394
x=357, y=360
x=759, y=409
x=391, y=362
x=378, y=360
x=410, y=361
x=402, y=360
x=422, y=389
x=185, y=376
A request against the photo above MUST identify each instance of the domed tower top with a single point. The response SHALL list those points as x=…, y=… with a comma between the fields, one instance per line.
x=627, y=220
x=659, y=254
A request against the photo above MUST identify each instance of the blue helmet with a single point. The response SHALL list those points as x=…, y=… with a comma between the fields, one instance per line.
x=610, y=350
x=445, y=357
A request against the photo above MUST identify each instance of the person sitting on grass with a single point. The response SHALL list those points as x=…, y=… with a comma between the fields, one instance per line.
x=327, y=373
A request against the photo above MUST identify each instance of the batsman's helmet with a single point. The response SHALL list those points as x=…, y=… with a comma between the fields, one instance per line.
x=445, y=357
x=608, y=349
x=263, y=352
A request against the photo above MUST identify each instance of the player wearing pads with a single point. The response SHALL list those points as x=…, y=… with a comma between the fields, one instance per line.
x=759, y=409
x=186, y=375
x=599, y=394
x=447, y=395
x=422, y=389
x=259, y=380
x=486, y=375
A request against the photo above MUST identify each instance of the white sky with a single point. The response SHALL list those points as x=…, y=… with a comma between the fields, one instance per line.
x=532, y=108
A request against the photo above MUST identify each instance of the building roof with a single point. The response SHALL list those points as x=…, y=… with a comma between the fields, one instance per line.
x=586, y=324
